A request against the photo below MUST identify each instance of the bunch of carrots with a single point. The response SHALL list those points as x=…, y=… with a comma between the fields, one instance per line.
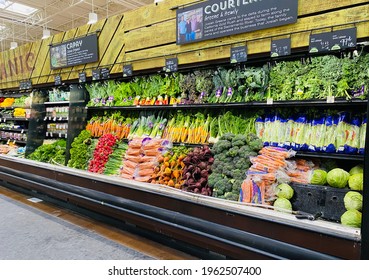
x=115, y=124
x=170, y=169
x=188, y=129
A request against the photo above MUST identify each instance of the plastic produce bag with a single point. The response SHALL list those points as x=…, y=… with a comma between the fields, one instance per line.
x=362, y=134
x=300, y=131
x=318, y=130
x=329, y=145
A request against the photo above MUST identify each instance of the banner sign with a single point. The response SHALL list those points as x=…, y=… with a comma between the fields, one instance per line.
x=219, y=18
x=79, y=51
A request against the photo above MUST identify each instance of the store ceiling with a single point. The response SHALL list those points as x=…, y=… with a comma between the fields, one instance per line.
x=23, y=21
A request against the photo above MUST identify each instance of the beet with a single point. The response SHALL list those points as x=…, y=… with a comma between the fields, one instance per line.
x=202, y=165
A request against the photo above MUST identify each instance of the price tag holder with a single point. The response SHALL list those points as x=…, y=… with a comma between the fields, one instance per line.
x=171, y=65
x=332, y=41
x=269, y=101
x=4, y=119
x=60, y=135
x=66, y=135
x=47, y=134
x=57, y=80
x=96, y=74
x=127, y=70
x=54, y=119
x=8, y=141
x=330, y=99
x=238, y=54
x=105, y=73
x=82, y=77
x=280, y=47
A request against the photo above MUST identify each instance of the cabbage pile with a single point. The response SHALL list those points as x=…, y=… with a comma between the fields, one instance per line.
x=284, y=193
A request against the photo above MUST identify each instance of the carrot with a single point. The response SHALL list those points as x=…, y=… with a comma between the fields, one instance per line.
x=246, y=187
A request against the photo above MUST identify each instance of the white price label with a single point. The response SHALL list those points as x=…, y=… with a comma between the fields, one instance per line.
x=330, y=99
x=54, y=119
x=47, y=133
x=45, y=118
x=14, y=142
x=51, y=134
x=65, y=135
x=8, y=141
x=4, y=119
x=270, y=101
x=22, y=131
x=60, y=135
x=60, y=118
x=174, y=105
x=138, y=106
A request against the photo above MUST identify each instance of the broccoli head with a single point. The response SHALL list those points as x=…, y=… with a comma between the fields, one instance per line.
x=231, y=196
x=239, y=140
x=213, y=178
x=227, y=136
x=232, y=152
x=244, y=150
x=254, y=142
x=238, y=174
x=222, y=185
x=242, y=163
x=236, y=187
x=221, y=146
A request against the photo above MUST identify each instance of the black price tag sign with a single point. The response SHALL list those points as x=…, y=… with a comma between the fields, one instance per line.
x=82, y=77
x=105, y=73
x=344, y=39
x=331, y=41
x=171, y=65
x=238, y=54
x=280, y=47
x=96, y=74
x=22, y=86
x=58, y=80
x=28, y=84
x=127, y=70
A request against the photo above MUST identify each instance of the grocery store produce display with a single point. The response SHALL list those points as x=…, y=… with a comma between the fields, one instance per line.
x=252, y=154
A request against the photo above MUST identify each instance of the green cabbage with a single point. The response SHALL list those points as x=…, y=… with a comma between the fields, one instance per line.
x=357, y=169
x=356, y=182
x=319, y=177
x=353, y=200
x=338, y=178
x=282, y=203
x=284, y=191
x=351, y=218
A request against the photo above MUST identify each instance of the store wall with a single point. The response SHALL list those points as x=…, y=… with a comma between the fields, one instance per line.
x=146, y=36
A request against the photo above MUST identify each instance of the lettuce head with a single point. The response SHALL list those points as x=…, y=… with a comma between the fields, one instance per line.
x=353, y=200
x=338, y=178
x=356, y=182
x=351, y=218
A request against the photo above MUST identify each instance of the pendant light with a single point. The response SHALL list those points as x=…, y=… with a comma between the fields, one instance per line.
x=45, y=31
x=13, y=44
x=92, y=17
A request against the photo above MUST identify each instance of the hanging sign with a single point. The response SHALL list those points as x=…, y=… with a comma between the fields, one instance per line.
x=82, y=77
x=79, y=51
x=171, y=65
x=57, y=80
x=105, y=73
x=280, y=47
x=335, y=40
x=238, y=54
x=127, y=70
x=25, y=85
x=216, y=18
x=96, y=74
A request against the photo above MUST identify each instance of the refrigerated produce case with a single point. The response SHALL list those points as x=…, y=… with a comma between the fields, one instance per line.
x=206, y=226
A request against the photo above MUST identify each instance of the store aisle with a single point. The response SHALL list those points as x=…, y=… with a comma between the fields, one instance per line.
x=41, y=231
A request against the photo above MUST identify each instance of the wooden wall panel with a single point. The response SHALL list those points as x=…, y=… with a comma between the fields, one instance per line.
x=146, y=36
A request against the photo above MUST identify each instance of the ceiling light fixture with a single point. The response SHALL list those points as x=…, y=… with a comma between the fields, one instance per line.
x=45, y=33
x=13, y=45
x=92, y=17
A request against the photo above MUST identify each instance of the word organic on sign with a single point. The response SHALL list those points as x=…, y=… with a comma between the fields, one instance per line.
x=218, y=18
x=80, y=51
